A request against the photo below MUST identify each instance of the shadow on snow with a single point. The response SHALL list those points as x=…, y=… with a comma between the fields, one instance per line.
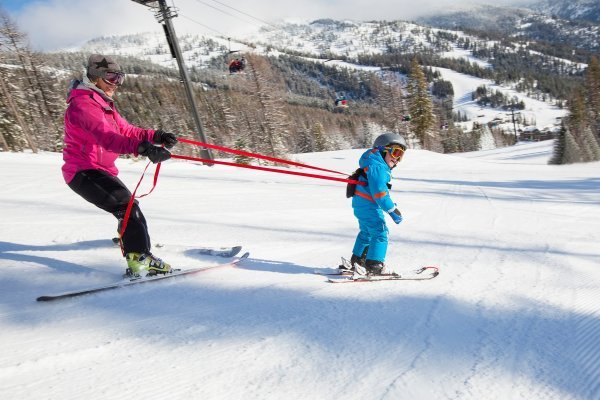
x=396, y=335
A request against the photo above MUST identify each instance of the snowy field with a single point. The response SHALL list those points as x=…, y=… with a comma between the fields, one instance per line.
x=514, y=313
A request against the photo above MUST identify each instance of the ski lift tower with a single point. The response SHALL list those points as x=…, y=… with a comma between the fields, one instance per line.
x=164, y=14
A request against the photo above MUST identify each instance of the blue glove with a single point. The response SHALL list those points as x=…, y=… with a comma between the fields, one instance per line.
x=396, y=216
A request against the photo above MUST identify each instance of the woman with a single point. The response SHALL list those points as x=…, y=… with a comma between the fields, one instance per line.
x=95, y=136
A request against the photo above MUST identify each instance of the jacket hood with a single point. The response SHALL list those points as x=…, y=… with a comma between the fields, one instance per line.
x=85, y=87
x=372, y=157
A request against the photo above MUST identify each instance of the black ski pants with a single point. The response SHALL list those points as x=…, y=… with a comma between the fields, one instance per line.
x=110, y=194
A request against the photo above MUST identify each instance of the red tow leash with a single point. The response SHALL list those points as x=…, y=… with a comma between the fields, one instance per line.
x=231, y=151
x=253, y=155
x=331, y=178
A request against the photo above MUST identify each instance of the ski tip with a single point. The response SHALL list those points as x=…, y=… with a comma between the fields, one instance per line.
x=234, y=251
x=245, y=255
x=45, y=298
x=333, y=272
x=345, y=279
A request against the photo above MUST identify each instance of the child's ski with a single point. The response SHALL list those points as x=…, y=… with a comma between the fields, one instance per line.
x=333, y=271
x=422, y=274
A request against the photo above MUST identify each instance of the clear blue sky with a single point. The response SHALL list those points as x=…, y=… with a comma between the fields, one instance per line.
x=14, y=5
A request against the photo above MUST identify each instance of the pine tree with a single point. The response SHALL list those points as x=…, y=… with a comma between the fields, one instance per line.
x=21, y=135
x=583, y=123
x=240, y=144
x=451, y=140
x=589, y=145
x=36, y=95
x=592, y=79
x=566, y=149
x=559, y=148
x=273, y=122
x=572, y=152
x=367, y=135
x=393, y=106
x=304, y=141
x=577, y=113
x=420, y=105
x=318, y=135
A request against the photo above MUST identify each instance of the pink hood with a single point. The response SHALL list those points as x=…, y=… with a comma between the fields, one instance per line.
x=96, y=134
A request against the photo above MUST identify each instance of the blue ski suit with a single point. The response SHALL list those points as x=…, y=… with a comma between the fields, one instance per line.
x=369, y=203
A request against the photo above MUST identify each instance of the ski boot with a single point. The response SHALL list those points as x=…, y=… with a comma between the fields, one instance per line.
x=374, y=267
x=137, y=263
x=356, y=260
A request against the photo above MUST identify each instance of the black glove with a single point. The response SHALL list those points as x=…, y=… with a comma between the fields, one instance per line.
x=166, y=138
x=154, y=153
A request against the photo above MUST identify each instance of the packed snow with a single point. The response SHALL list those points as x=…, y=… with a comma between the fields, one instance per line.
x=514, y=313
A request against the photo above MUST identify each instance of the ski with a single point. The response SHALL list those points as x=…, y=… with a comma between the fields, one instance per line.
x=118, y=285
x=225, y=252
x=333, y=272
x=422, y=274
x=218, y=251
x=345, y=273
x=345, y=268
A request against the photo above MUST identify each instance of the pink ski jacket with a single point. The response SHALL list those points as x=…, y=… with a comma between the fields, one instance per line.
x=96, y=134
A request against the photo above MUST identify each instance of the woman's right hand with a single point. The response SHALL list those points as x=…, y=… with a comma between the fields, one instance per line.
x=166, y=138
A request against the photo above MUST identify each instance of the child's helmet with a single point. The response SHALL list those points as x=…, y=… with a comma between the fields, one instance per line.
x=389, y=138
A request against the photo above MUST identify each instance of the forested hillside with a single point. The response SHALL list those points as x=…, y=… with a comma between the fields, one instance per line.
x=285, y=100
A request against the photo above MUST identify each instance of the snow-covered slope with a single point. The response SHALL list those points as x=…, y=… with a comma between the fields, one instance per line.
x=514, y=313
x=537, y=113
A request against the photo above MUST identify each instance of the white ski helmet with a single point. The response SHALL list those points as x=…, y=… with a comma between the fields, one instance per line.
x=388, y=138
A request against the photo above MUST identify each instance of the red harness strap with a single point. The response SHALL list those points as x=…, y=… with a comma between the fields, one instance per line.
x=131, y=200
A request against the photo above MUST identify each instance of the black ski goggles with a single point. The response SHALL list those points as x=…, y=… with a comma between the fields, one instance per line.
x=114, y=78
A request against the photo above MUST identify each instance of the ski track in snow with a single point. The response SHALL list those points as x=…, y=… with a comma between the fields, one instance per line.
x=513, y=314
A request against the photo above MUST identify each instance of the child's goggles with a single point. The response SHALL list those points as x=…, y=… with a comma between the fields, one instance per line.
x=114, y=78
x=396, y=152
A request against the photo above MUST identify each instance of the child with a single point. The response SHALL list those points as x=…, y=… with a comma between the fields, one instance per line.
x=372, y=200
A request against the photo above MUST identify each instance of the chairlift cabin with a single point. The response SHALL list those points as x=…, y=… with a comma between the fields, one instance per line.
x=237, y=65
x=341, y=101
